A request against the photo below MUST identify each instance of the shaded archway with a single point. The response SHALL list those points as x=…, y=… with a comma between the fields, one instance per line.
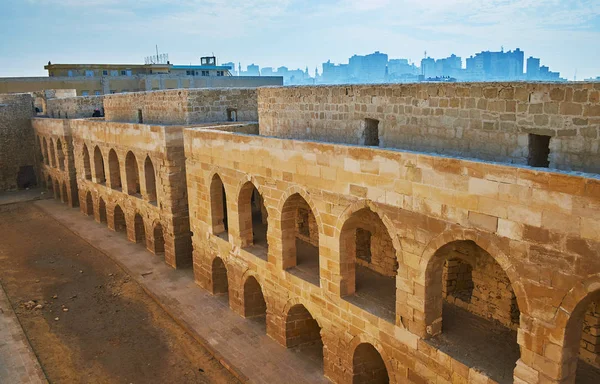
x=64, y=193
x=302, y=331
x=114, y=170
x=40, y=149
x=99, y=166
x=254, y=300
x=132, y=174
x=87, y=168
x=219, y=277
x=218, y=208
x=367, y=366
x=52, y=154
x=253, y=220
x=60, y=155
x=159, y=240
x=581, y=348
x=300, y=239
x=50, y=184
x=102, y=210
x=56, y=189
x=45, y=150
x=140, y=229
x=369, y=264
x=89, y=204
x=470, y=302
x=120, y=225
x=150, y=180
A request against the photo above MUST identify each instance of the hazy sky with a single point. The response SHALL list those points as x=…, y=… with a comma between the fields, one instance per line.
x=295, y=33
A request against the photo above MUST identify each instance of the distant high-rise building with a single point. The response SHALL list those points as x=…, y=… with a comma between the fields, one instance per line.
x=533, y=68
x=496, y=65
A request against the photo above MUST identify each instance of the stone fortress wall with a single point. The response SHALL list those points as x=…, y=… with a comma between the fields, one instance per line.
x=17, y=155
x=183, y=106
x=74, y=107
x=373, y=256
x=488, y=121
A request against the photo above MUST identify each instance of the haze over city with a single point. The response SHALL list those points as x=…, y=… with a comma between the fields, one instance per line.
x=296, y=34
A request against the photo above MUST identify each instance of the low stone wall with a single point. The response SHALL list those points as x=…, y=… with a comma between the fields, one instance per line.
x=183, y=106
x=17, y=142
x=74, y=107
x=489, y=121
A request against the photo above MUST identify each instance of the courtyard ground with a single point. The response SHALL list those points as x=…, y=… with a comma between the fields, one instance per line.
x=86, y=319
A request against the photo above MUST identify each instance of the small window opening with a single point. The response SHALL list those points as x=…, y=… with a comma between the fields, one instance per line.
x=140, y=117
x=539, y=149
x=372, y=132
x=231, y=114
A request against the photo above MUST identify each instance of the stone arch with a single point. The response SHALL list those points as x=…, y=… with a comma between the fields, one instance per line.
x=52, y=154
x=569, y=318
x=301, y=328
x=484, y=242
x=150, y=177
x=158, y=246
x=46, y=154
x=114, y=170
x=89, y=204
x=50, y=184
x=368, y=258
x=102, y=210
x=295, y=189
x=362, y=204
x=120, y=224
x=99, y=174
x=300, y=243
x=64, y=193
x=218, y=206
x=60, y=155
x=255, y=303
x=139, y=228
x=248, y=220
x=87, y=169
x=56, y=189
x=132, y=174
x=219, y=277
x=365, y=340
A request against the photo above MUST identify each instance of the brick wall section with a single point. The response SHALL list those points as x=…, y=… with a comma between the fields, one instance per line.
x=73, y=107
x=183, y=106
x=17, y=140
x=428, y=204
x=489, y=121
x=590, y=341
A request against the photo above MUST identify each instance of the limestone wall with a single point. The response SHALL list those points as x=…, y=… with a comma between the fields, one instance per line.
x=17, y=142
x=489, y=121
x=431, y=206
x=73, y=107
x=183, y=106
x=56, y=159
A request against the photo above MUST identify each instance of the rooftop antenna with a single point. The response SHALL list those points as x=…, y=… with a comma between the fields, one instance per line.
x=502, y=48
x=156, y=50
x=575, y=77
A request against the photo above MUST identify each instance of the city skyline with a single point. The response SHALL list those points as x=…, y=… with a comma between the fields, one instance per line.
x=295, y=34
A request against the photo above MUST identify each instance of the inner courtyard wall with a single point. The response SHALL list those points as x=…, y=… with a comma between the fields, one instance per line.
x=426, y=202
x=17, y=142
x=56, y=161
x=168, y=210
x=488, y=121
x=74, y=107
x=183, y=106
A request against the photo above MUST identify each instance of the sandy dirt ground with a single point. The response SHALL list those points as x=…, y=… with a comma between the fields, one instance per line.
x=86, y=320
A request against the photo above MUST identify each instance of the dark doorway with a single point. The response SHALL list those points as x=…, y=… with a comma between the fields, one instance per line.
x=26, y=177
x=372, y=132
x=539, y=149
